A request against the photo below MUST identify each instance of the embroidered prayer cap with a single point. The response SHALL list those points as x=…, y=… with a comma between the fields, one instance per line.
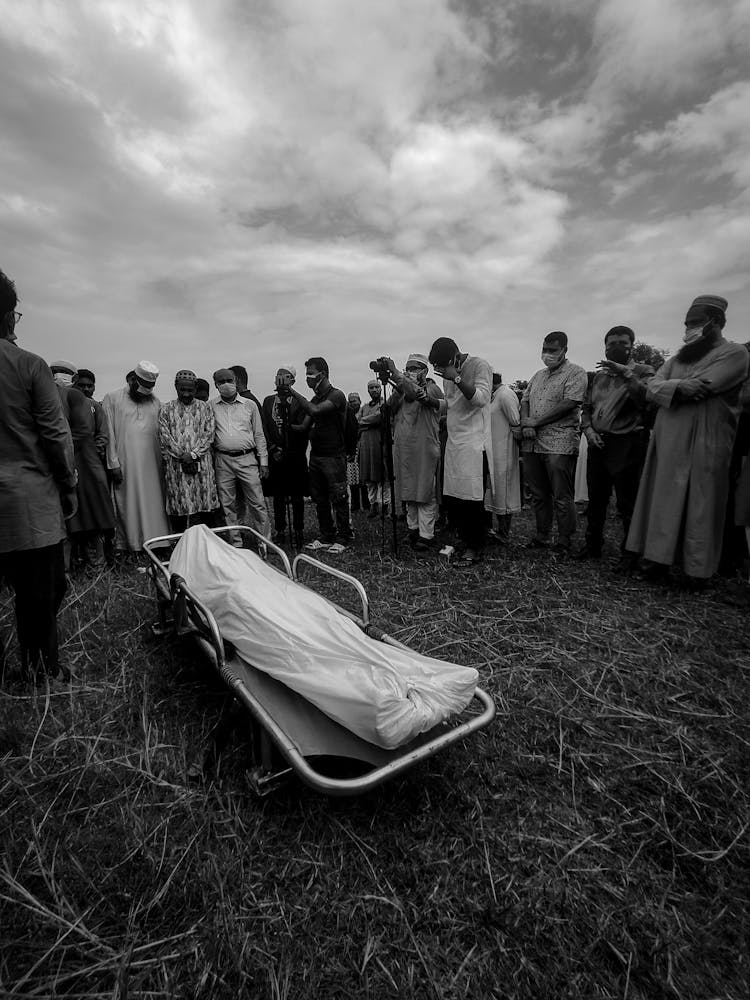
x=373, y=381
x=714, y=301
x=225, y=375
x=417, y=359
x=146, y=371
x=185, y=375
x=353, y=396
x=289, y=368
x=64, y=366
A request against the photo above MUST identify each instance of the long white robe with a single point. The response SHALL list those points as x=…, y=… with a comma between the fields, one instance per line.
x=469, y=433
x=134, y=449
x=505, y=412
x=679, y=513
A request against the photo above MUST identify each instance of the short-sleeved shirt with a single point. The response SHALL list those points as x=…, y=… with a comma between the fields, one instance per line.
x=546, y=390
x=327, y=434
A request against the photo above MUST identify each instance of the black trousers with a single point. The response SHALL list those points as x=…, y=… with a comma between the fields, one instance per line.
x=618, y=465
x=467, y=517
x=298, y=513
x=212, y=518
x=38, y=578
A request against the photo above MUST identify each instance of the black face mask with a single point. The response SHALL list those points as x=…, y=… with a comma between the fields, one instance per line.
x=617, y=353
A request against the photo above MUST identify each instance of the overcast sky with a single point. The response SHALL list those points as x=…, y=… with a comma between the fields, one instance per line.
x=259, y=181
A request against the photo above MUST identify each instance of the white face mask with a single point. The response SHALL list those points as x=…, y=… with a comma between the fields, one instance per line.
x=143, y=390
x=551, y=360
x=227, y=390
x=692, y=333
x=62, y=378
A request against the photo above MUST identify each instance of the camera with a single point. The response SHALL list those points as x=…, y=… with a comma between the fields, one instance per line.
x=283, y=382
x=382, y=368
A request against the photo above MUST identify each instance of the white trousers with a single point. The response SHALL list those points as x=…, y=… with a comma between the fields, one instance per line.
x=422, y=517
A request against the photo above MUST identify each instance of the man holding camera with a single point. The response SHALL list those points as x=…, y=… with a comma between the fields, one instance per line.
x=327, y=414
x=613, y=420
x=287, y=434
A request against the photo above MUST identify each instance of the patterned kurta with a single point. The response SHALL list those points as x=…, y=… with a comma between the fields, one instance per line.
x=188, y=428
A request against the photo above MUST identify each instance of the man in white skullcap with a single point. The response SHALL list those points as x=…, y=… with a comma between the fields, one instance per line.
x=134, y=459
x=681, y=504
x=416, y=405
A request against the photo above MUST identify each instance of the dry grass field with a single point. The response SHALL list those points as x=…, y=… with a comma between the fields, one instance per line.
x=592, y=843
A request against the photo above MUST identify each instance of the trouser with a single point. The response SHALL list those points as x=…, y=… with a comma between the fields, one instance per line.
x=551, y=480
x=329, y=494
x=237, y=478
x=374, y=493
x=180, y=522
x=422, y=517
x=359, y=498
x=38, y=578
x=298, y=513
x=617, y=465
x=467, y=518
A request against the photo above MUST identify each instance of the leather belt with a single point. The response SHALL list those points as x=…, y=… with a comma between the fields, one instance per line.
x=236, y=454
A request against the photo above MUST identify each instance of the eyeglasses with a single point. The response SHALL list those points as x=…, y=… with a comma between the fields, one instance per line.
x=16, y=316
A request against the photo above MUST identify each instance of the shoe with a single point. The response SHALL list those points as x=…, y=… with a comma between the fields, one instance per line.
x=413, y=536
x=585, y=553
x=537, y=543
x=469, y=558
x=318, y=546
x=424, y=544
x=337, y=548
x=652, y=572
x=626, y=564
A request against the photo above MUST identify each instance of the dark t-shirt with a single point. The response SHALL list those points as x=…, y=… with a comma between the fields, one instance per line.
x=327, y=434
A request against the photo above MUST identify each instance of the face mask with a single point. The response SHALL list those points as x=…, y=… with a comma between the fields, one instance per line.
x=551, y=360
x=227, y=390
x=144, y=390
x=313, y=380
x=419, y=377
x=617, y=353
x=62, y=378
x=693, y=333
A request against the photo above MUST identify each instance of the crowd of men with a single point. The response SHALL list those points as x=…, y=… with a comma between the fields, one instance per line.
x=81, y=479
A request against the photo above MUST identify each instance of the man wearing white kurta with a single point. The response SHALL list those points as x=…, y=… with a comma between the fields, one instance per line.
x=467, y=384
x=134, y=459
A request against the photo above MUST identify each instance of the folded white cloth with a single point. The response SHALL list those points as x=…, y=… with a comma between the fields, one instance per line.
x=382, y=693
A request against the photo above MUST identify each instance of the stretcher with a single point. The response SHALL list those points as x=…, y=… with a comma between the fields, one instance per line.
x=290, y=734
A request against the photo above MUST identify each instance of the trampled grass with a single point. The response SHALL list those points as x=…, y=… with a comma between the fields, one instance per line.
x=593, y=842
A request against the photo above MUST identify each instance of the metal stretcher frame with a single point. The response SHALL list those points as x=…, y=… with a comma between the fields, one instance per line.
x=191, y=616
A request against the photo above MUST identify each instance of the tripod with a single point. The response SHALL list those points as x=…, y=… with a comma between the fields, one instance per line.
x=386, y=466
x=284, y=408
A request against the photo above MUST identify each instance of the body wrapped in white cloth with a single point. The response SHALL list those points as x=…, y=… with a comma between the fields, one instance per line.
x=382, y=693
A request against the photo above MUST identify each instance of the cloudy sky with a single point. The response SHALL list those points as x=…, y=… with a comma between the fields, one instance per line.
x=258, y=181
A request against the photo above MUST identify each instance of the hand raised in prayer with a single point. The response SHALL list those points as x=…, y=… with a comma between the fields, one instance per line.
x=449, y=372
x=612, y=367
x=694, y=389
x=264, y=472
x=594, y=438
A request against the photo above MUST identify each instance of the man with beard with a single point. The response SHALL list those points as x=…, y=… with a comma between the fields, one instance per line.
x=679, y=512
x=186, y=435
x=134, y=458
x=613, y=422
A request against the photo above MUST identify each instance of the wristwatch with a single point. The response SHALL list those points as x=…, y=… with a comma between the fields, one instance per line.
x=457, y=380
